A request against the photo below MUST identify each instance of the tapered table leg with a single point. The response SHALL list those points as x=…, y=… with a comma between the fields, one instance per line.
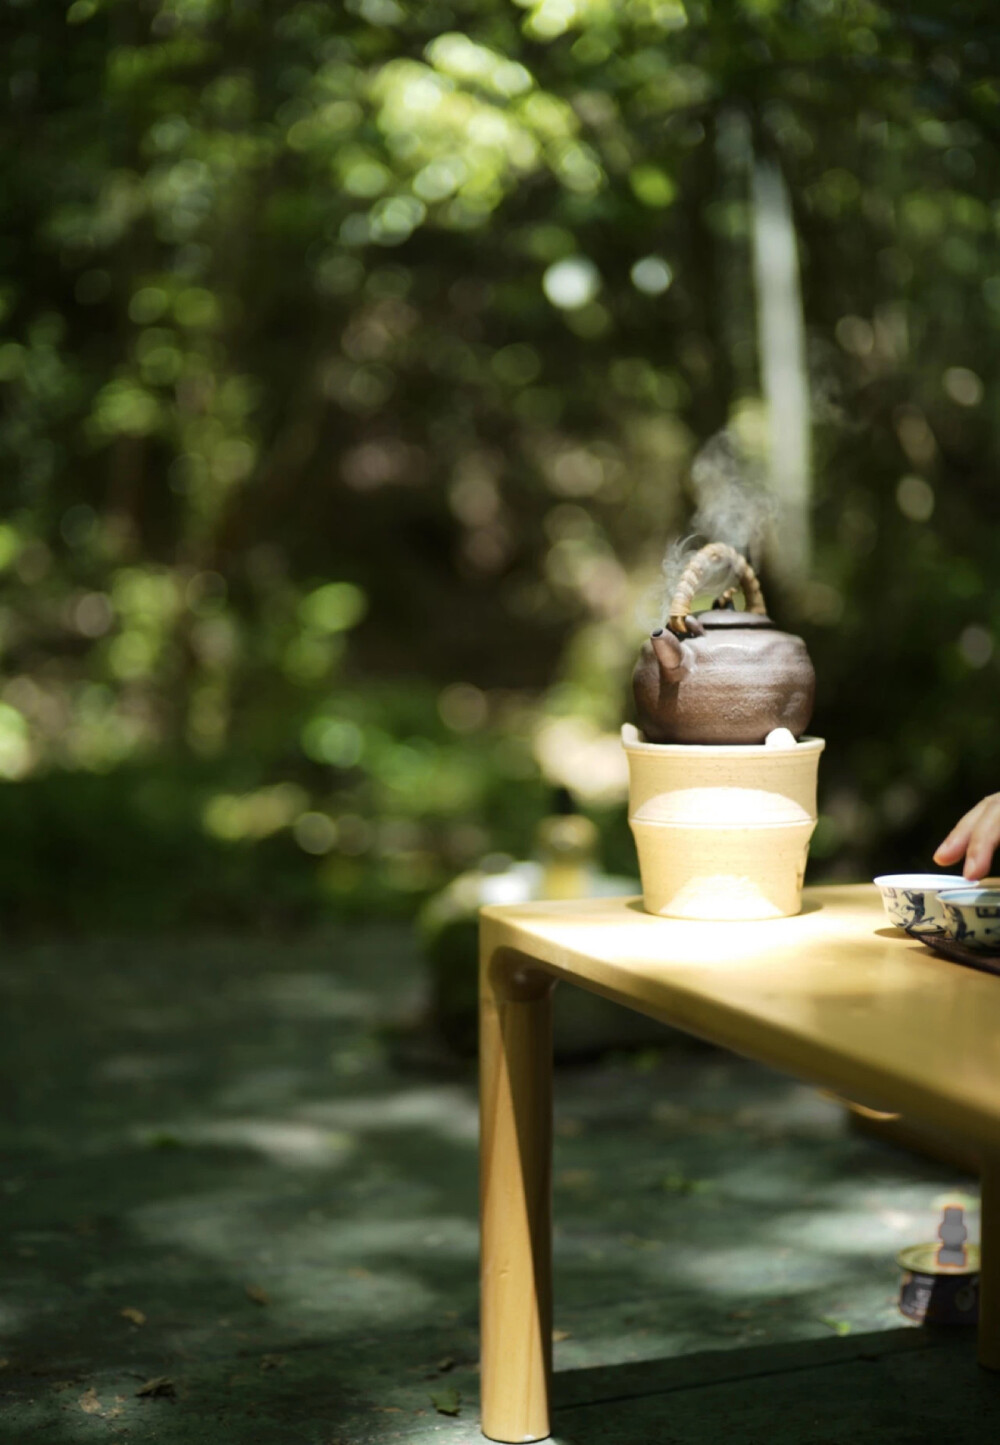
x=989, y=1270
x=515, y=1051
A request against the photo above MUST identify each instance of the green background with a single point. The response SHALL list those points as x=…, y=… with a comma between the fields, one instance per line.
x=327, y=527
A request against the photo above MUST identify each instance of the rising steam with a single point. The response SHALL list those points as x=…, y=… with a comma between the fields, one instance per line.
x=731, y=506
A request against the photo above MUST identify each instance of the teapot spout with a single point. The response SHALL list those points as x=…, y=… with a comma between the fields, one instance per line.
x=669, y=653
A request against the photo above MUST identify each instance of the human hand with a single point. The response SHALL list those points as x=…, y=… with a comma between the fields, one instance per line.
x=977, y=836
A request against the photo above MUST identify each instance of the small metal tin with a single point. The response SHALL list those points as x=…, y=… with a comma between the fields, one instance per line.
x=939, y=1294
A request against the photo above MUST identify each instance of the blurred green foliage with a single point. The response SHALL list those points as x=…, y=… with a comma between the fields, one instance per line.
x=352, y=359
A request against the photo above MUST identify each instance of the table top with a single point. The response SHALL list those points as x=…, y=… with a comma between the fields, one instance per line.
x=836, y=995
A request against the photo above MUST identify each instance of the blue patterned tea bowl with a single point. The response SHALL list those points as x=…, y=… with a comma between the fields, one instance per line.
x=973, y=916
x=912, y=900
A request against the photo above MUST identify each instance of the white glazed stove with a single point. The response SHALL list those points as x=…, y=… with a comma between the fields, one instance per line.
x=722, y=831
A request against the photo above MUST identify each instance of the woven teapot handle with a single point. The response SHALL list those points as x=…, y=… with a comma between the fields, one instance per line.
x=699, y=566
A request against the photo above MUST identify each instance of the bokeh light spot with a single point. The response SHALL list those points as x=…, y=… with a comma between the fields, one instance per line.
x=571, y=283
x=334, y=741
x=93, y=615
x=463, y=708
x=652, y=186
x=652, y=275
x=976, y=645
x=915, y=498
x=963, y=386
x=334, y=607
x=315, y=833
x=147, y=305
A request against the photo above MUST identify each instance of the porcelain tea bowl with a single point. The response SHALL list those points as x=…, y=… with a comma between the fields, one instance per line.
x=912, y=900
x=973, y=916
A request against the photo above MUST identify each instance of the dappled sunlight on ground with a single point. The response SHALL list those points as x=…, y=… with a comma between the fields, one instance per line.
x=218, y=1177
x=448, y=1111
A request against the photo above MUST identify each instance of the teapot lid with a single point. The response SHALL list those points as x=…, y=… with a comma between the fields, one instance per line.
x=719, y=617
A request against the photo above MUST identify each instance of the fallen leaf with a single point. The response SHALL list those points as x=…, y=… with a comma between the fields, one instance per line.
x=258, y=1295
x=560, y=1335
x=161, y=1385
x=447, y=1402
x=387, y=1409
x=89, y=1403
x=358, y=1272
x=136, y=1317
x=840, y=1327
x=273, y=1362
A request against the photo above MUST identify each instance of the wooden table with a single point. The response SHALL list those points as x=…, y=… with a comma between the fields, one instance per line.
x=834, y=996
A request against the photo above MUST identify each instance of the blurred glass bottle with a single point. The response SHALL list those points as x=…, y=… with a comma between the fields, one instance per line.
x=566, y=847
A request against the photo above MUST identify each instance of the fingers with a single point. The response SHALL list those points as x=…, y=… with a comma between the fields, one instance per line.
x=951, y=849
x=984, y=840
x=957, y=840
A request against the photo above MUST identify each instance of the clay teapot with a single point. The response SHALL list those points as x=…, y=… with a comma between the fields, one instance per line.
x=721, y=676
